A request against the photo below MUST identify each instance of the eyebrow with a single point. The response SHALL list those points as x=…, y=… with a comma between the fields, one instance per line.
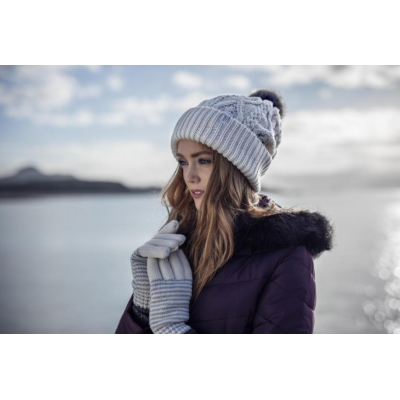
x=195, y=154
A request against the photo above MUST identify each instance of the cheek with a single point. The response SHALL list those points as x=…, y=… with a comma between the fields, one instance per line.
x=207, y=175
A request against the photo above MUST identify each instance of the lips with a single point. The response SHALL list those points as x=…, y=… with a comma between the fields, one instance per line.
x=197, y=193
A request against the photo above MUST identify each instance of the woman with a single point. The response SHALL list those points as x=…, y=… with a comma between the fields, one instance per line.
x=229, y=260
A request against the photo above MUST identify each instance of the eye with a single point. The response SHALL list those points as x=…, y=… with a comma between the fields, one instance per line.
x=181, y=162
x=203, y=161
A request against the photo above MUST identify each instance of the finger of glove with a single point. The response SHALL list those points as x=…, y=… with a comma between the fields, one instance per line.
x=149, y=250
x=185, y=263
x=153, y=269
x=166, y=270
x=171, y=227
x=170, y=236
x=171, y=243
x=177, y=267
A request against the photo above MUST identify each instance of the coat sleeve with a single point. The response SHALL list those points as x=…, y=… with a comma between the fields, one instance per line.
x=130, y=324
x=288, y=300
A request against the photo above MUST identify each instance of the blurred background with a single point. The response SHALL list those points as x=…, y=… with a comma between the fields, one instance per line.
x=84, y=151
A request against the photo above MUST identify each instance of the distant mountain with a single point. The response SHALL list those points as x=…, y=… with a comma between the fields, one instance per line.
x=30, y=181
x=31, y=174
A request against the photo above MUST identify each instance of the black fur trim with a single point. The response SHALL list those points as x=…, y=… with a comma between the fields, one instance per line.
x=310, y=229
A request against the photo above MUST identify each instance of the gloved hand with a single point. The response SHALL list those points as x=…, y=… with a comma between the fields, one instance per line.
x=170, y=293
x=161, y=245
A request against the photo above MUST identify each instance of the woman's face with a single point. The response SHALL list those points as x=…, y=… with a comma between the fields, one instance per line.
x=196, y=162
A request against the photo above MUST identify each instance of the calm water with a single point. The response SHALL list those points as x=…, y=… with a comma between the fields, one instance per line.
x=64, y=261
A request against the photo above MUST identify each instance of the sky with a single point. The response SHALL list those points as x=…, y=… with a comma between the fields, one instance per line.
x=115, y=122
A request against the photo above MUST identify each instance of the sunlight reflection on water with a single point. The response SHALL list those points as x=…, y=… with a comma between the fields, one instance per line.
x=385, y=312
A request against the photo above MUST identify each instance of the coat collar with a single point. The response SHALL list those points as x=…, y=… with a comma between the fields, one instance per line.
x=310, y=229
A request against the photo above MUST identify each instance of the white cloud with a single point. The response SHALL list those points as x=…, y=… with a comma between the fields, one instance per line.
x=123, y=111
x=191, y=99
x=136, y=111
x=325, y=93
x=139, y=111
x=350, y=76
x=115, y=83
x=80, y=118
x=94, y=68
x=37, y=88
x=239, y=82
x=34, y=92
x=187, y=80
x=192, y=81
x=331, y=141
x=44, y=95
x=88, y=91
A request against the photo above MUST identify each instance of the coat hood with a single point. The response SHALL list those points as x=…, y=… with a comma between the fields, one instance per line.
x=303, y=228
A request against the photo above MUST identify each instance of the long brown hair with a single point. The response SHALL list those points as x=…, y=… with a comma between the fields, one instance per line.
x=210, y=230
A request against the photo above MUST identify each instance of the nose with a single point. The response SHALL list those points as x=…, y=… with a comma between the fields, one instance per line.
x=192, y=175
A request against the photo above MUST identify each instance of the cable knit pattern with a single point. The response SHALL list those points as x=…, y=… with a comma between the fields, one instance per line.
x=245, y=130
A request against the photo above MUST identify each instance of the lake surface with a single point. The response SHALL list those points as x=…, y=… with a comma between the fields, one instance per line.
x=64, y=260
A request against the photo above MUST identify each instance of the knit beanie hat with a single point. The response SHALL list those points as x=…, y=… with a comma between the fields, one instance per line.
x=246, y=130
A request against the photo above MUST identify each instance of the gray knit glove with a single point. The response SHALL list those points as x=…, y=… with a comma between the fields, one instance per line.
x=160, y=246
x=170, y=293
x=140, y=283
x=163, y=243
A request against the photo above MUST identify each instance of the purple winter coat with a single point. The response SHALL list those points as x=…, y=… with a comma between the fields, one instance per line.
x=267, y=286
